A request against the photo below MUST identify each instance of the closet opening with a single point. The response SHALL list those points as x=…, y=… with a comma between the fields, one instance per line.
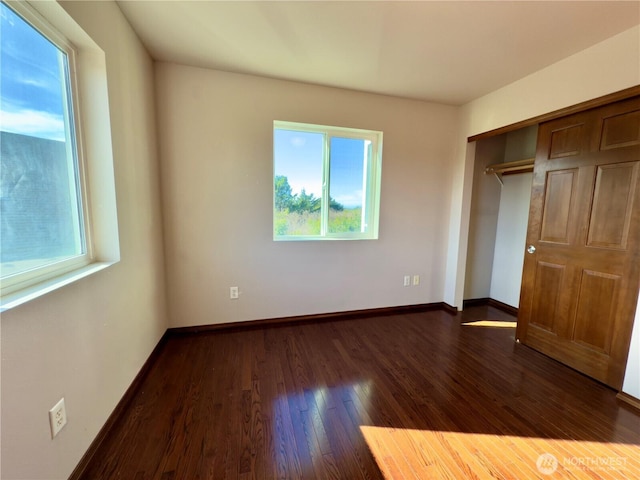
x=499, y=216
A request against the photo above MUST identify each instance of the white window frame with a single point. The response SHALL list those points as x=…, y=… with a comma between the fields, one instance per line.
x=87, y=80
x=371, y=181
x=75, y=156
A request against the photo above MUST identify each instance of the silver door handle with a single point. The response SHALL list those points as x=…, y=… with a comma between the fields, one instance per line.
x=531, y=249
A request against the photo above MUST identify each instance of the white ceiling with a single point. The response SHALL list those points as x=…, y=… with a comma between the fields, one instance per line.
x=449, y=52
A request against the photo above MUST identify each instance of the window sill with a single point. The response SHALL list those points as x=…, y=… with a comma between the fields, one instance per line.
x=25, y=295
x=312, y=238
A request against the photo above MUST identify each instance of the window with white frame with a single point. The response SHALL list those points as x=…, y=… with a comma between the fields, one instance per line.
x=44, y=225
x=326, y=182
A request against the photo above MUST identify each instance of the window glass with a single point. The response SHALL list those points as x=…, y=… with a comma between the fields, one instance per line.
x=349, y=158
x=326, y=182
x=298, y=167
x=40, y=198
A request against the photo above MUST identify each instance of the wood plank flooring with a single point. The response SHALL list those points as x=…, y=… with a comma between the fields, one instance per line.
x=413, y=396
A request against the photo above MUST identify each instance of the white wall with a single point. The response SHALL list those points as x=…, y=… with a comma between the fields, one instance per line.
x=88, y=340
x=483, y=219
x=607, y=67
x=215, y=132
x=511, y=235
x=631, y=384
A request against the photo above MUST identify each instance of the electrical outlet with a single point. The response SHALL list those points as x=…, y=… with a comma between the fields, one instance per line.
x=407, y=280
x=416, y=280
x=57, y=417
x=233, y=293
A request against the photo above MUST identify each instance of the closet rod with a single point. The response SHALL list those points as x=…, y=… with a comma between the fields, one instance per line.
x=519, y=166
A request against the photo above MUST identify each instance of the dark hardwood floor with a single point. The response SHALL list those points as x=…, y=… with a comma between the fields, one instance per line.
x=420, y=395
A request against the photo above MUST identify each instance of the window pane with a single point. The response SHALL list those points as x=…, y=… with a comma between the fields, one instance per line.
x=40, y=206
x=326, y=182
x=349, y=158
x=298, y=158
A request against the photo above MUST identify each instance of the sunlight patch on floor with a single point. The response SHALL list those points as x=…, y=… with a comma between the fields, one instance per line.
x=490, y=323
x=420, y=454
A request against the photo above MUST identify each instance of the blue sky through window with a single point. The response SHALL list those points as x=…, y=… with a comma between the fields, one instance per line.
x=347, y=169
x=31, y=102
x=298, y=156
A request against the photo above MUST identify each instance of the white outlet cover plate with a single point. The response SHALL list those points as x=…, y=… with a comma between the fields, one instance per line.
x=57, y=417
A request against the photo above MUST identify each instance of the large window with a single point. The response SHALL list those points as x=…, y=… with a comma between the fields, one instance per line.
x=43, y=225
x=326, y=182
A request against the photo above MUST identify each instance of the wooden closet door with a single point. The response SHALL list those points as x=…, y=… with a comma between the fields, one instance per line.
x=582, y=270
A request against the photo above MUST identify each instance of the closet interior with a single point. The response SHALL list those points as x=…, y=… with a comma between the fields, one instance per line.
x=499, y=215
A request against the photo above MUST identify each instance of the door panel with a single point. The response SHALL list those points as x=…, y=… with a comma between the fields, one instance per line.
x=612, y=205
x=620, y=131
x=558, y=203
x=546, y=295
x=566, y=141
x=595, y=303
x=580, y=286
